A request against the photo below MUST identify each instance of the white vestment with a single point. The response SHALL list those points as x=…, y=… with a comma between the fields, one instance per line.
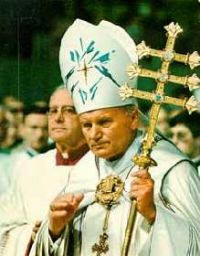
x=176, y=230
x=10, y=163
x=39, y=181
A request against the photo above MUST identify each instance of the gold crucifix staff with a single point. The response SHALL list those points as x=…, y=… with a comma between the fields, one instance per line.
x=162, y=76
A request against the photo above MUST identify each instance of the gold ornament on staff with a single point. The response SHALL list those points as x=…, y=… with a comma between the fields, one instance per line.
x=162, y=77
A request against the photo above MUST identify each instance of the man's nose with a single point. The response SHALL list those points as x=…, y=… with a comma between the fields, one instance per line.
x=59, y=116
x=95, y=133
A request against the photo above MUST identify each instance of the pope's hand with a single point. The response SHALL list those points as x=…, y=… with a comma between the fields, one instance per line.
x=141, y=190
x=62, y=210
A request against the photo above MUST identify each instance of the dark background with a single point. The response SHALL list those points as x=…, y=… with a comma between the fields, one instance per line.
x=30, y=33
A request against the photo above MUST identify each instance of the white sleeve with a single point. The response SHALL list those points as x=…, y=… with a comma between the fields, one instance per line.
x=44, y=246
x=15, y=231
x=181, y=188
x=176, y=230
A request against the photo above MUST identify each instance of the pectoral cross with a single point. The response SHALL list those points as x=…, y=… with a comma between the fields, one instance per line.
x=102, y=247
x=162, y=77
x=85, y=70
x=104, y=188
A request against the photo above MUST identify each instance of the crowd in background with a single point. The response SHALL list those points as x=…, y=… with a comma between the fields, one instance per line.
x=23, y=135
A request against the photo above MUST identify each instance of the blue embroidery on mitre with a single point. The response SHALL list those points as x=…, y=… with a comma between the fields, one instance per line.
x=85, y=60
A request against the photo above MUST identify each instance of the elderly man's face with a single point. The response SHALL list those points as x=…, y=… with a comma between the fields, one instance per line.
x=109, y=132
x=64, y=125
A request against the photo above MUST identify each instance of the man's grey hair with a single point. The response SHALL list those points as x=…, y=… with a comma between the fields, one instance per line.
x=143, y=118
x=130, y=108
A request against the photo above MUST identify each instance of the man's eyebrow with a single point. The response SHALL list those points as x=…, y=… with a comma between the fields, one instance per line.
x=105, y=118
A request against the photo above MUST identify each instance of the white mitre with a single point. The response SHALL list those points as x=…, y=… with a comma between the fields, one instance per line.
x=93, y=63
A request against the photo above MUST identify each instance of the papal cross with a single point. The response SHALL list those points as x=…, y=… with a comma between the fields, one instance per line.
x=85, y=70
x=162, y=76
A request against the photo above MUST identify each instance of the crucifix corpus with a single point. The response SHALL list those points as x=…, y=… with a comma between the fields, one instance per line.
x=162, y=77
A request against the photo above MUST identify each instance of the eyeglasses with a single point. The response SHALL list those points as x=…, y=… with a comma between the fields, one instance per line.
x=64, y=111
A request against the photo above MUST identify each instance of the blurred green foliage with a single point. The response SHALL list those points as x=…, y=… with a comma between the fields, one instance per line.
x=31, y=32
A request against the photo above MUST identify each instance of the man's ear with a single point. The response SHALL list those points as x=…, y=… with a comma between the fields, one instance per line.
x=135, y=119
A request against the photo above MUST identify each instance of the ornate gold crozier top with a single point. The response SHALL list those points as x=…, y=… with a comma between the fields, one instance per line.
x=162, y=77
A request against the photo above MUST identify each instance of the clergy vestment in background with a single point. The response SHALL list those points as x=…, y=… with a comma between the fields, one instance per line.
x=38, y=181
